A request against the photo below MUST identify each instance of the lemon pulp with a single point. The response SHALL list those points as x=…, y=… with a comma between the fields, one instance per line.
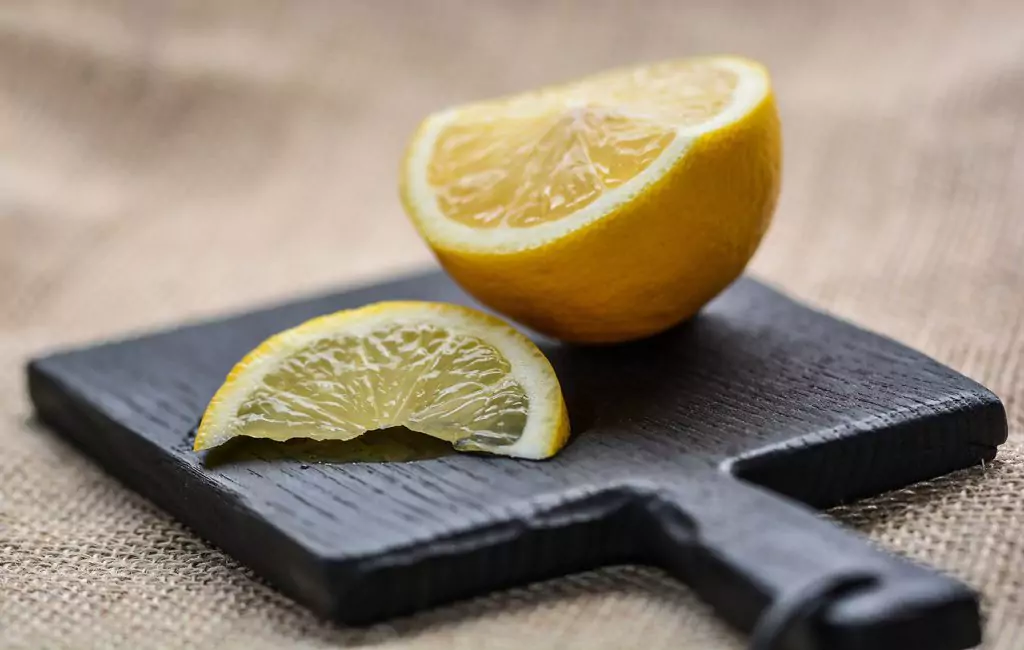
x=457, y=388
x=547, y=155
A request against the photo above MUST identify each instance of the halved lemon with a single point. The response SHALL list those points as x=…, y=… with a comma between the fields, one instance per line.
x=606, y=209
x=446, y=371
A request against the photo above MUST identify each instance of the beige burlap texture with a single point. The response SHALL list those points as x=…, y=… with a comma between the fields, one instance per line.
x=162, y=160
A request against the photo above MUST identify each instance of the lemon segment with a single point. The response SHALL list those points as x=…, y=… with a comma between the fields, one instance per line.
x=443, y=370
x=606, y=209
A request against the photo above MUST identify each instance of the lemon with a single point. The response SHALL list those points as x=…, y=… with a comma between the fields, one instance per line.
x=607, y=209
x=447, y=371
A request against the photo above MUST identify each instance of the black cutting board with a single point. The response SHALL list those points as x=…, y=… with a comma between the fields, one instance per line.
x=672, y=437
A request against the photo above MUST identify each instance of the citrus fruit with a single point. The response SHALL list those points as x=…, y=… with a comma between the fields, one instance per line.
x=606, y=209
x=443, y=370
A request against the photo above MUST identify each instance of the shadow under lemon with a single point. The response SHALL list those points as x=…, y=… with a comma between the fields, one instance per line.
x=584, y=372
x=393, y=445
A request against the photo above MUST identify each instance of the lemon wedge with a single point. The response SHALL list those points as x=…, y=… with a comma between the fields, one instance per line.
x=605, y=209
x=446, y=371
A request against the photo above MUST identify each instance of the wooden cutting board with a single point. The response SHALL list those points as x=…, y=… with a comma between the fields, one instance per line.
x=692, y=451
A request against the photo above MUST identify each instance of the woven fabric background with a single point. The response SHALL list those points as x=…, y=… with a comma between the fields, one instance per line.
x=171, y=159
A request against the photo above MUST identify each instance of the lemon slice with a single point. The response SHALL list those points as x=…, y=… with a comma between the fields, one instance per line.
x=447, y=371
x=605, y=209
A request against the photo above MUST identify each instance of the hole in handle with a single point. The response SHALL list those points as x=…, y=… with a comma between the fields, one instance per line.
x=785, y=624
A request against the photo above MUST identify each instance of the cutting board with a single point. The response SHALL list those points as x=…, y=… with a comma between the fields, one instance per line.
x=704, y=451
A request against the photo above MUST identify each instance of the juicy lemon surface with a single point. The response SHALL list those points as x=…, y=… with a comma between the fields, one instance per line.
x=447, y=371
x=606, y=209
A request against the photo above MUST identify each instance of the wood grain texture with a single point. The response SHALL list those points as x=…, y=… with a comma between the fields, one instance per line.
x=673, y=435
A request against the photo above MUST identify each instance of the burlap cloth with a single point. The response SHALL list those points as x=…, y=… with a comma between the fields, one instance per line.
x=164, y=160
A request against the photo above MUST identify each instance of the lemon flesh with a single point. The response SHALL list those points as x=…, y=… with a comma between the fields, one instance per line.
x=605, y=209
x=543, y=158
x=445, y=371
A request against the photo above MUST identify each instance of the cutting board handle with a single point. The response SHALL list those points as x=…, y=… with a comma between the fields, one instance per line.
x=799, y=581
